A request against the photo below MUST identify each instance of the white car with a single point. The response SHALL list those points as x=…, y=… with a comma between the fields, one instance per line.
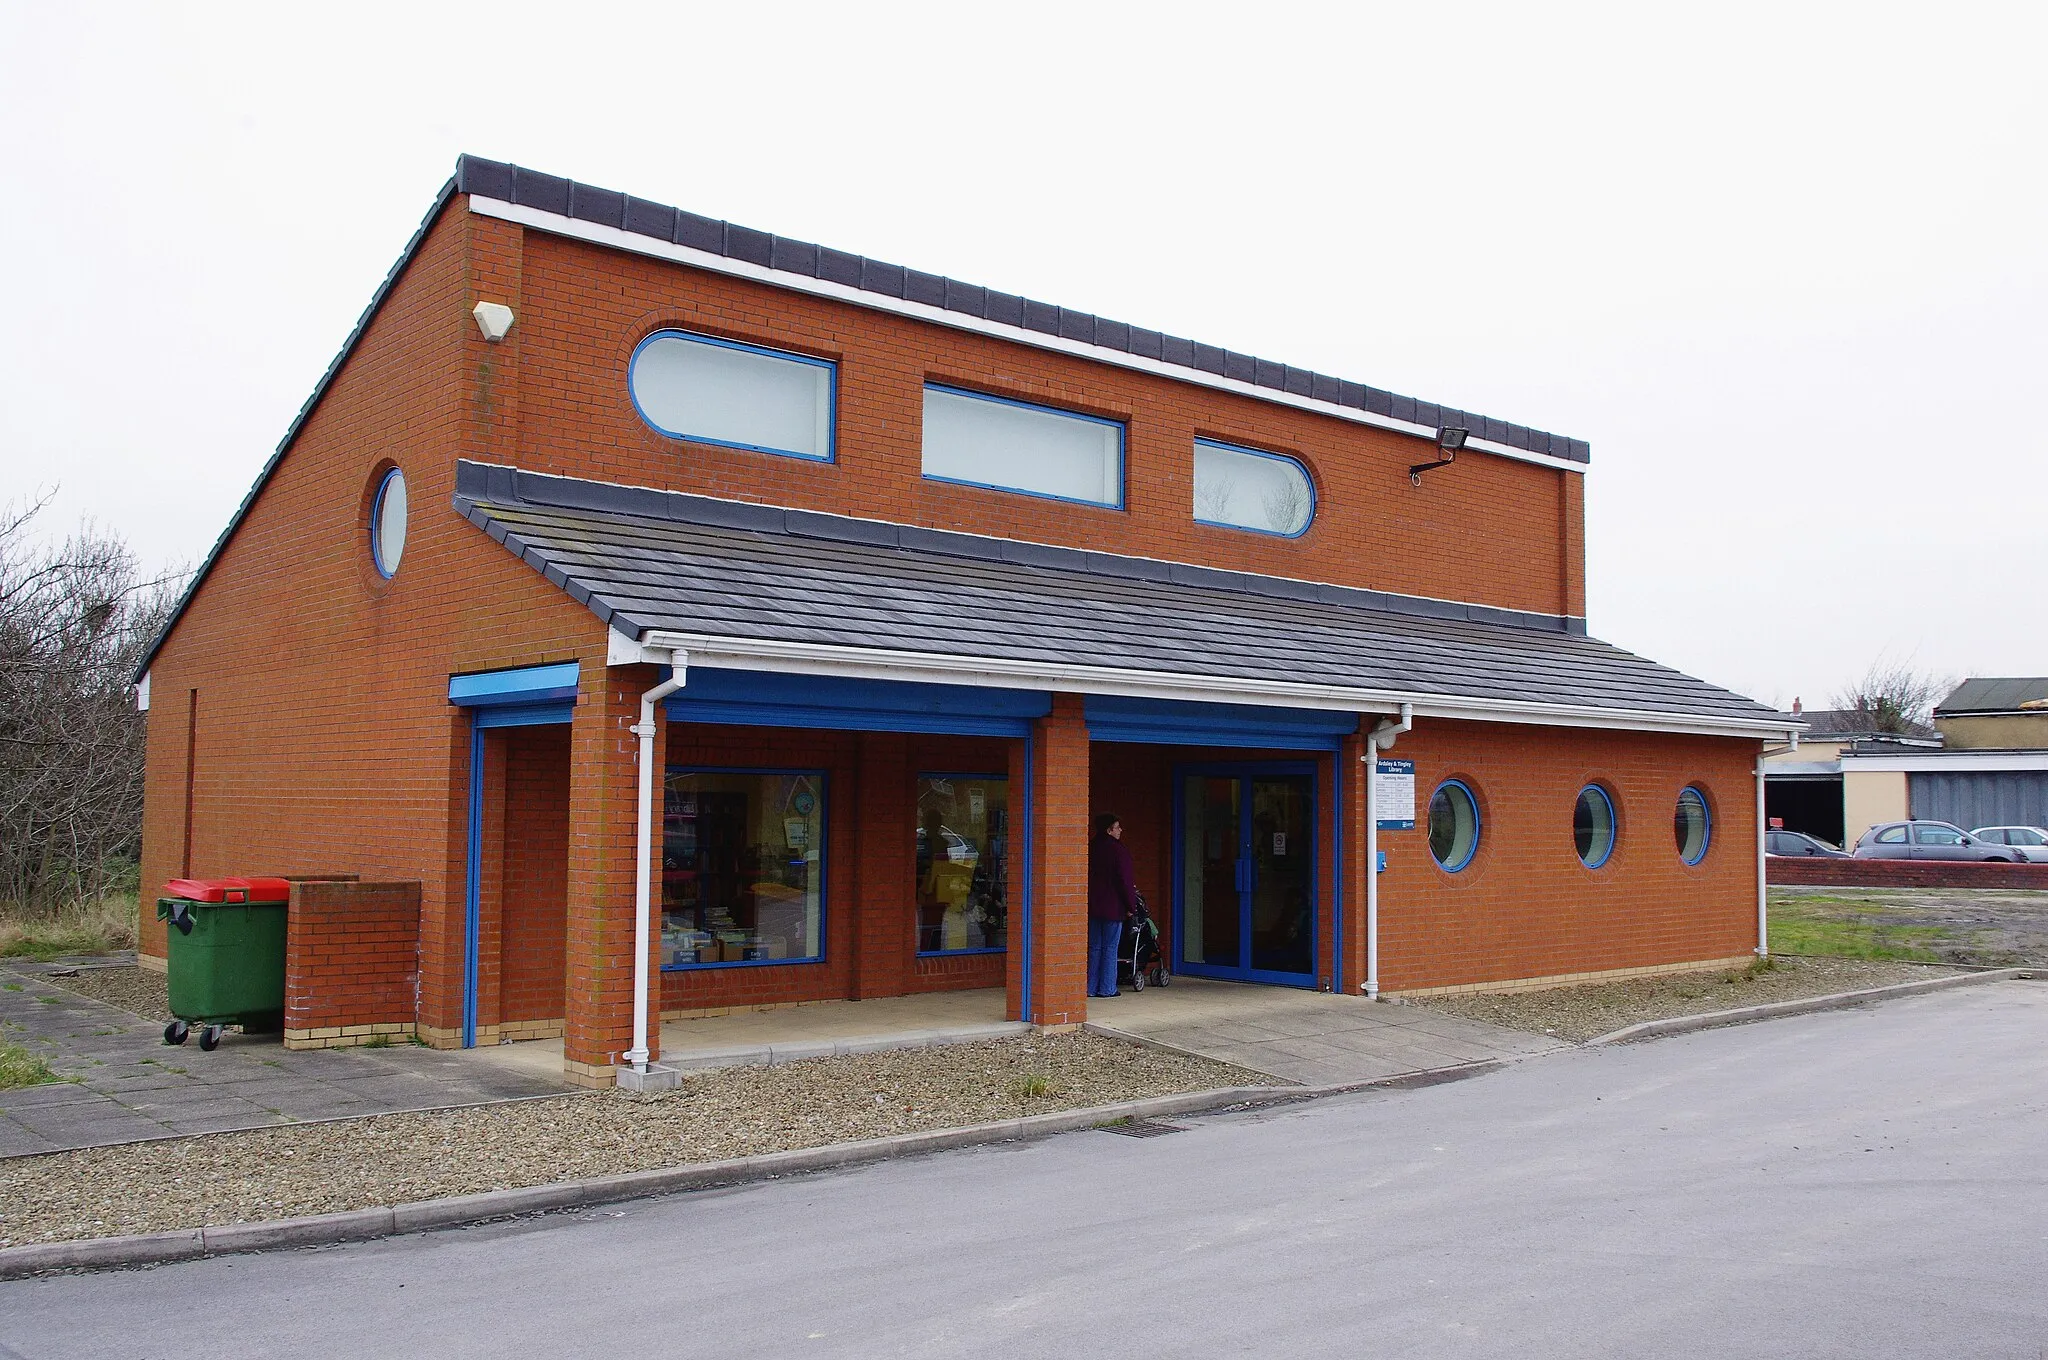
x=2031, y=842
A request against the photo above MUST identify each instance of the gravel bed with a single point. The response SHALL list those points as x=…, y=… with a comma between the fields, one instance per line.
x=143, y=991
x=259, y=1174
x=1591, y=1009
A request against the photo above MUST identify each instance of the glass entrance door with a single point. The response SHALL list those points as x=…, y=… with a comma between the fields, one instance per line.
x=1245, y=890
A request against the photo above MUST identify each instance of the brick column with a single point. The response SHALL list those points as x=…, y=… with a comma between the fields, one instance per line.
x=1351, y=827
x=603, y=798
x=885, y=852
x=1059, y=906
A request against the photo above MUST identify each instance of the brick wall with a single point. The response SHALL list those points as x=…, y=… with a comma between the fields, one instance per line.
x=1526, y=907
x=535, y=919
x=583, y=309
x=351, y=963
x=1819, y=871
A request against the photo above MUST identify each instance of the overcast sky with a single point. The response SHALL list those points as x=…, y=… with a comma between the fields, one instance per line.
x=1784, y=267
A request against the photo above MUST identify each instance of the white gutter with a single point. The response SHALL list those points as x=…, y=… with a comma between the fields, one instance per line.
x=878, y=663
x=634, y=243
x=1380, y=739
x=1763, y=922
x=643, y=887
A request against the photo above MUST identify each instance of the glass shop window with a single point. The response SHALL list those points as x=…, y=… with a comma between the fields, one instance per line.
x=742, y=867
x=963, y=863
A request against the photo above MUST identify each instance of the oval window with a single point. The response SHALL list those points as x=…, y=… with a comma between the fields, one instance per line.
x=1691, y=826
x=387, y=523
x=1246, y=489
x=1453, y=825
x=1593, y=826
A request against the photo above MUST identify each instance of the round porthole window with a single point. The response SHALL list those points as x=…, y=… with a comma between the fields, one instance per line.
x=1593, y=826
x=1691, y=825
x=1453, y=825
x=387, y=523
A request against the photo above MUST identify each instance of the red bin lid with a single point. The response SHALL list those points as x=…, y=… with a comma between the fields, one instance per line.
x=225, y=889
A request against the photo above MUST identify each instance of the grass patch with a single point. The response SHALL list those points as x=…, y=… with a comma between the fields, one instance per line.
x=94, y=925
x=19, y=1067
x=1797, y=928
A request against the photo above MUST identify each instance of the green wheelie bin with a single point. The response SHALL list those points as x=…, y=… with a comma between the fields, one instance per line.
x=225, y=938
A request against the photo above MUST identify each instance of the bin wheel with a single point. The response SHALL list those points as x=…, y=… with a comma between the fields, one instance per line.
x=1137, y=982
x=176, y=1032
x=209, y=1038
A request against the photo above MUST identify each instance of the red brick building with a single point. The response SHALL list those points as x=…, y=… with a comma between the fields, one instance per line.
x=921, y=576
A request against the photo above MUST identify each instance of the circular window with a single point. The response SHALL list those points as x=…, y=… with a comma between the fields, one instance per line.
x=387, y=523
x=1453, y=825
x=1593, y=826
x=1691, y=826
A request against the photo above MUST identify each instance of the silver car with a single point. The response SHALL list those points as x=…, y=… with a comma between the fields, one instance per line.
x=2028, y=842
x=1929, y=840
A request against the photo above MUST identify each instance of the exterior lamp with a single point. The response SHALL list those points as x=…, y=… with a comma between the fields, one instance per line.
x=1449, y=439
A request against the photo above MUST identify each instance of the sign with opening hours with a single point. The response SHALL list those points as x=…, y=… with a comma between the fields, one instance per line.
x=1393, y=795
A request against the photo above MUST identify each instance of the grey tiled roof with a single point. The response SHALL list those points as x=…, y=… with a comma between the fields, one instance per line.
x=646, y=560
x=610, y=208
x=1989, y=694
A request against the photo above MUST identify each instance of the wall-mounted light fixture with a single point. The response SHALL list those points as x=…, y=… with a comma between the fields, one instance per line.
x=493, y=319
x=1449, y=439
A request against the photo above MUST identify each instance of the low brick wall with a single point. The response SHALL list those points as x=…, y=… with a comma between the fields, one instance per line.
x=352, y=963
x=1817, y=871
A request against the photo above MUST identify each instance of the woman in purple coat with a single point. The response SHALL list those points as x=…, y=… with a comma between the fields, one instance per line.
x=1112, y=897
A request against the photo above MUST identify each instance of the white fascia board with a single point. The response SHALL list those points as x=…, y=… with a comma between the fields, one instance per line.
x=632, y=242
x=1800, y=769
x=874, y=663
x=1975, y=762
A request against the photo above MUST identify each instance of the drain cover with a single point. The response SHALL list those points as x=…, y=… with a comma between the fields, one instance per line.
x=1143, y=1128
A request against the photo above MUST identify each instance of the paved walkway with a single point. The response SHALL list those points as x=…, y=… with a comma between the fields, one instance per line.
x=124, y=1084
x=756, y=1038
x=1314, y=1038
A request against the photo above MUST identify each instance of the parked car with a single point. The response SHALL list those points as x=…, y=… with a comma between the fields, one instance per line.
x=1928, y=840
x=2028, y=842
x=1794, y=843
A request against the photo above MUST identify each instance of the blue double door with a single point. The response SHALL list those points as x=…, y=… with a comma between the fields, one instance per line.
x=1245, y=890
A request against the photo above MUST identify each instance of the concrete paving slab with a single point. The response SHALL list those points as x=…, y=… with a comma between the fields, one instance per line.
x=131, y=1085
x=1308, y=1037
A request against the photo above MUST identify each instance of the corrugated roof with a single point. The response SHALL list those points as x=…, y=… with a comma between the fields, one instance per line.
x=653, y=561
x=610, y=208
x=1993, y=694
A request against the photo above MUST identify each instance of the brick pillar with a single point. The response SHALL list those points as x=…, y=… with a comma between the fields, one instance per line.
x=603, y=798
x=1059, y=906
x=490, y=945
x=1351, y=827
x=885, y=863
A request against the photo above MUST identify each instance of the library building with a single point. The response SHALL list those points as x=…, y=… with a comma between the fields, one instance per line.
x=647, y=616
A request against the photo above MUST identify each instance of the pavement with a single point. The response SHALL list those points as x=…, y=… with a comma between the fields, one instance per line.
x=748, y=1037
x=123, y=1083
x=1309, y=1038
x=1840, y=1184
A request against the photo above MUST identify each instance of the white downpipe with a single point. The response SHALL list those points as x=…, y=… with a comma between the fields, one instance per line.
x=1763, y=924
x=1381, y=739
x=643, y=847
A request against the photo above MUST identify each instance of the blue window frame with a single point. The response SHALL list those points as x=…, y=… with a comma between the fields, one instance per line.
x=1453, y=825
x=1252, y=490
x=1593, y=829
x=973, y=439
x=742, y=867
x=1692, y=825
x=387, y=523
x=963, y=864
x=736, y=396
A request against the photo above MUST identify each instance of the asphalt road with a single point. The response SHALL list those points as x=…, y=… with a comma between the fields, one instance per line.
x=1859, y=1183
